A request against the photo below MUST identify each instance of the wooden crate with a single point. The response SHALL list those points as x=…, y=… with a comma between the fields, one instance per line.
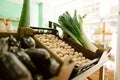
x=86, y=52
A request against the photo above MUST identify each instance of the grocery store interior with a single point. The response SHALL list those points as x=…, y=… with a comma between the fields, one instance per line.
x=100, y=25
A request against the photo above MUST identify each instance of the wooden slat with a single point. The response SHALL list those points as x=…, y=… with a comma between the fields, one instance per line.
x=9, y=20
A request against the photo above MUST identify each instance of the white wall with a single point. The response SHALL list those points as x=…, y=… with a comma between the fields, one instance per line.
x=33, y=11
x=34, y=14
x=48, y=14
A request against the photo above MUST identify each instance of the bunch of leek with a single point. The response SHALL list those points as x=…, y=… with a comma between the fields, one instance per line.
x=73, y=27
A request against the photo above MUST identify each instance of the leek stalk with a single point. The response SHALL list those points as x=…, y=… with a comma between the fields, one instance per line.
x=25, y=15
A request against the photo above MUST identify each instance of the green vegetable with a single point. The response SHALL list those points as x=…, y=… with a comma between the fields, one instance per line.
x=25, y=15
x=73, y=27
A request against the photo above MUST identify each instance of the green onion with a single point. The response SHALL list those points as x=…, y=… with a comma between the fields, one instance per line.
x=73, y=27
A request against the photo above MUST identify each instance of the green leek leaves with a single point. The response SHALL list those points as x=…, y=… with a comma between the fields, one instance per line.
x=73, y=27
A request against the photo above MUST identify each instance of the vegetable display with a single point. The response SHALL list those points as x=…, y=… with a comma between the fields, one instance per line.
x=25, y=62
x=73, y=27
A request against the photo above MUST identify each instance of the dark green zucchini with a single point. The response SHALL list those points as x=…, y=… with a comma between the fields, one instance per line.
x=12, y=69
x=24, y=58
x=53, y=67
x=40, y=53
x=40, y=57
x=45, y=64
x=20, y=53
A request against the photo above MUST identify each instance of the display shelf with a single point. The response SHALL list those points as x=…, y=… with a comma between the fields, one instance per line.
x=101, y=62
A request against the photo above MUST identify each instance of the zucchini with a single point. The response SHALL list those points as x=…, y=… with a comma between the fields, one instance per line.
x=20, y=53
x=12, y=69
x=53, y=67
x=25, y=59
x=40, y=57
x=45, y=64
x=38, y=54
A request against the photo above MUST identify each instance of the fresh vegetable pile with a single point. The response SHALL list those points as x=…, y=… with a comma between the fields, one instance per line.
x=21, y=60
x=72, y=26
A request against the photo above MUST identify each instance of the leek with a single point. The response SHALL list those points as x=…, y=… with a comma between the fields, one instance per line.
x=25, y=15
x=73, y=27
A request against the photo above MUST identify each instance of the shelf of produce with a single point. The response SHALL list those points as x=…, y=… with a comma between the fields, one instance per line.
x=65, y=67
x=88, y=54
x=101, y=62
